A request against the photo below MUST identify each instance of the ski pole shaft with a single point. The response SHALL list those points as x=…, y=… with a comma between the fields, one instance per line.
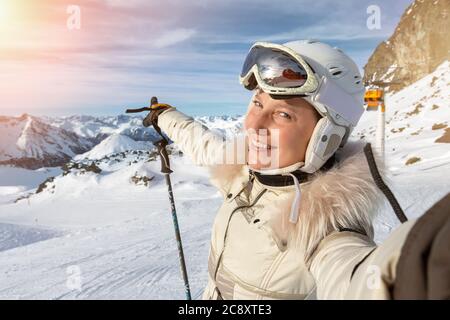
x=178, y=238
x=165, y=169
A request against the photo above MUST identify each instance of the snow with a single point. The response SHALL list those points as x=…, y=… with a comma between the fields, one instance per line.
x=120, y=235
x=16, y=182
x=101, y=236
x=113, y=144
x=10, y=133
x=12, y=236
x=390, y=72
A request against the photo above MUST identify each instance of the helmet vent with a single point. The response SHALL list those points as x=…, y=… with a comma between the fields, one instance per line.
x=308, y=41
x=336, y=71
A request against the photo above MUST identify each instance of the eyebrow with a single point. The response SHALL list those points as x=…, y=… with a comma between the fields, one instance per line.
x=287, y=105
x=258, y=92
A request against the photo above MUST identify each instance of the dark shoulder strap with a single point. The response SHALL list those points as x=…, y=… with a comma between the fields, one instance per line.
x=381, y=185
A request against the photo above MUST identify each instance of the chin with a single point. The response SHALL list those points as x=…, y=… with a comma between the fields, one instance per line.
x=255, y=166
x=263, y=161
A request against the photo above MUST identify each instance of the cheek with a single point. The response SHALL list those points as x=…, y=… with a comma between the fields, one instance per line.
x=288, y=140
x=292, y=137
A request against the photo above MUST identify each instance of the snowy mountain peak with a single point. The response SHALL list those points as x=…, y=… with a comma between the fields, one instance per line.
x=113, y=144
x=30, y=142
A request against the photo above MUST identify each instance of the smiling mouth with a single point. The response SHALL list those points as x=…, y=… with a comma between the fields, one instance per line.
x=260, y=146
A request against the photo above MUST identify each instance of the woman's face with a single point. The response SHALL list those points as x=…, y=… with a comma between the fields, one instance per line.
x=278, y=131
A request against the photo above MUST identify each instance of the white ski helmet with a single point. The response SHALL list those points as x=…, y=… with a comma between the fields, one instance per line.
x=339, y=99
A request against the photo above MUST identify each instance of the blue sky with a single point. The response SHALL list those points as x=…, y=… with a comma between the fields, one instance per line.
x=188, y=53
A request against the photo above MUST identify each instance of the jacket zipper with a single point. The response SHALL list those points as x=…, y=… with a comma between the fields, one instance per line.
x=228, y=225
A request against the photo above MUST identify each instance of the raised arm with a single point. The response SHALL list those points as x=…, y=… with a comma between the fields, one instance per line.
x=348, y=265
x=335, y=259
x=202, y=145
x=225, y=158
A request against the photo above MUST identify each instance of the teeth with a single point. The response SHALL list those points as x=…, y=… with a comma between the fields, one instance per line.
x=260, y=145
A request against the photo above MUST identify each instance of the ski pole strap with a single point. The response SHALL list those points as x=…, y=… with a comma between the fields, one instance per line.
x=157, y=128
x=382, y=186
x=165, y=164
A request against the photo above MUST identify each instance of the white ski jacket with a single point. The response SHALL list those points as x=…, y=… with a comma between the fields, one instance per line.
x=256, y=253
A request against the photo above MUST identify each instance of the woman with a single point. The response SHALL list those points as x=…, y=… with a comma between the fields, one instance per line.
x=296, y=221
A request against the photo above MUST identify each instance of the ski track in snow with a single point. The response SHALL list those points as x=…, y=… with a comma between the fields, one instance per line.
x=137, y=259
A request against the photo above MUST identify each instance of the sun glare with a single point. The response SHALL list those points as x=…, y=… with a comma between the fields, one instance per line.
x=4, y=10
x=6, y=13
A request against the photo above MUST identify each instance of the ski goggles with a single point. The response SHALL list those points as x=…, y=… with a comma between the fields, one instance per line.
x=277, y=70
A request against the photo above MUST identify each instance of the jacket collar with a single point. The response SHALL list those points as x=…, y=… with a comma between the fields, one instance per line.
x=283, y=180
x=278, y=180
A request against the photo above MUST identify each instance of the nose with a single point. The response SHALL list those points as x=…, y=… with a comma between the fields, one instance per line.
x=259, y=122
x=258, y=127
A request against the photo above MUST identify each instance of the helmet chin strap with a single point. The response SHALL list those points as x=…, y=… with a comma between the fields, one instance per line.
x=295, y=206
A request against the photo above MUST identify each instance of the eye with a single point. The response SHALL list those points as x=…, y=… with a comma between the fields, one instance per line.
x=284, y=115
x=257, y=103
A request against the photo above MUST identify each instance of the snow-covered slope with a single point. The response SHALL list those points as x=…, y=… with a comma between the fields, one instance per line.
x=112, y=227
x=417, y=120
x=16, y=182
x=416, y=153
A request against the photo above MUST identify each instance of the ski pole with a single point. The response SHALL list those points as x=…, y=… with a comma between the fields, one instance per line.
x=165, y=169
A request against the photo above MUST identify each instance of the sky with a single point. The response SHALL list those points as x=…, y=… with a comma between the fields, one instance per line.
x=103, y=56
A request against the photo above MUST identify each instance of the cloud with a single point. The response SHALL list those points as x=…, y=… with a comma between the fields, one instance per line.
x=173, y=37
x=189, y=52
x=126, y=4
